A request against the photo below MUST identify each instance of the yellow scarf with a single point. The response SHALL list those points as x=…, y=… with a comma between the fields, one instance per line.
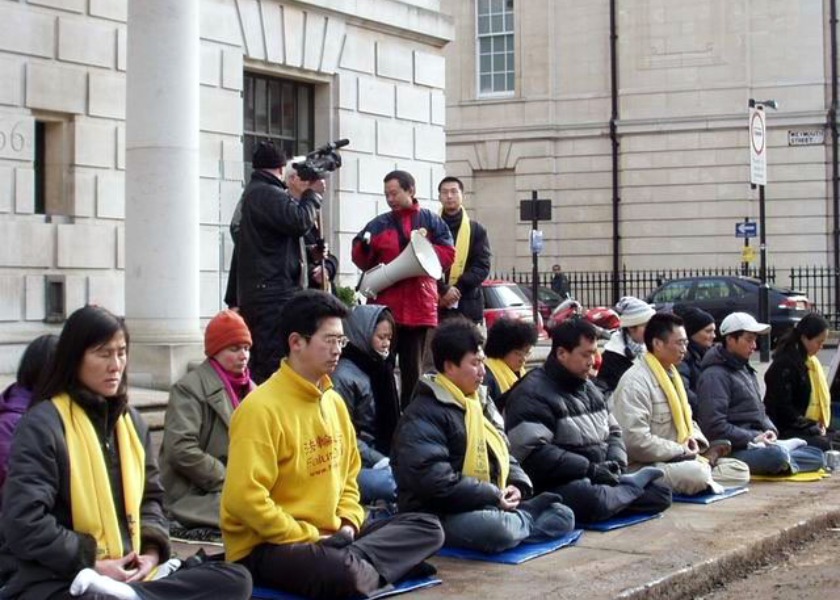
x=505, y=376
x=462, y=249
x=819, y=408
x=481, y=433
x=675, y=394
x=91, y=500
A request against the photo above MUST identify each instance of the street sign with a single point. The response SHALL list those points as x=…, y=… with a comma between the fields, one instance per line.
x=536, y=239
x=811, y=137
x=748, y=254
x=746, y=230
x=758, y=146
x=542, y=207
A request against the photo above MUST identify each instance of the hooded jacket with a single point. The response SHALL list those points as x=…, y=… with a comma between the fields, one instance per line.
x=428, y=456
x=729, y=399
x=558, y=425
x=373, y=420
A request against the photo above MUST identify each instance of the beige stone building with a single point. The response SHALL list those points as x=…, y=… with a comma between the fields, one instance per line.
x=300, y=73
x=529, y=106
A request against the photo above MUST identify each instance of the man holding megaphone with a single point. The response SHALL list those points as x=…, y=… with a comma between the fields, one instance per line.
x=403, y=253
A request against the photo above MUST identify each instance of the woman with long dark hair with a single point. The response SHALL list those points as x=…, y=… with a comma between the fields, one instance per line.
x=82, y=512
x=797, y=398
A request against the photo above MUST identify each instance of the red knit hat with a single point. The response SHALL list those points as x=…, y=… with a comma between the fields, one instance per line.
x=225, y=329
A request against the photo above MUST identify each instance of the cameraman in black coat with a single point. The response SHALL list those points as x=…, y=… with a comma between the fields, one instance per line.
x=272, y=262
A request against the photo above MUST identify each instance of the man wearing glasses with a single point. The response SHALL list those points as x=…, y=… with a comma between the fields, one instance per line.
x=651, y=405
x=290, y=504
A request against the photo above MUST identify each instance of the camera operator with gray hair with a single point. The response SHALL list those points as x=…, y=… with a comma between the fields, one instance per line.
x=313, y=245
x=270, y=265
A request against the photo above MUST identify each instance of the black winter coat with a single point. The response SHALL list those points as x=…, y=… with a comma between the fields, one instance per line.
x=471, y=304
x=789, y=394
x=428, y=452
x=269, y=257
x=37, y=516
x=689, y=370
x=729, y=399
x=558, y=425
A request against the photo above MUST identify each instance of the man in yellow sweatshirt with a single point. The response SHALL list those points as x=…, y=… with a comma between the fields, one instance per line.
x=290, y=505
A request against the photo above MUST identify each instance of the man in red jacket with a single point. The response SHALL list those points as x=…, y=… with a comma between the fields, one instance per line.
x=414, y=300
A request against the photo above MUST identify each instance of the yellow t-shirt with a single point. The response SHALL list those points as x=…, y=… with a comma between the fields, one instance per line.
x=292, y=466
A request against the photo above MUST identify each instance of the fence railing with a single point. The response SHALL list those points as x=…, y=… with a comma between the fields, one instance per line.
x=818, y=284
x=595, y=288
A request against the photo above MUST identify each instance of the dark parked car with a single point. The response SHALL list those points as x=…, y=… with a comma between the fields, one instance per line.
x=721, y=295
x=506, y=299
x=548, y=299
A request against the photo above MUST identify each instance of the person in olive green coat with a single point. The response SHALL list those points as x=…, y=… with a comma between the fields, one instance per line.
x=195, y=432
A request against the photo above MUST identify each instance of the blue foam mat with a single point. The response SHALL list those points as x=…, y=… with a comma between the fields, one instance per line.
x=409, y=585
x=514, y=556
x=710, y=498
x=619, y=522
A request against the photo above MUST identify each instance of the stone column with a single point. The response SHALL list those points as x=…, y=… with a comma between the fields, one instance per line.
x=162, y=189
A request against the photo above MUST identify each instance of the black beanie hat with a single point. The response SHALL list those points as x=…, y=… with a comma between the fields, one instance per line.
x=694, y=318
x=266, y=156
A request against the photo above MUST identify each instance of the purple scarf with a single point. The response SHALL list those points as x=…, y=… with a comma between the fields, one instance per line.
x=236, y=386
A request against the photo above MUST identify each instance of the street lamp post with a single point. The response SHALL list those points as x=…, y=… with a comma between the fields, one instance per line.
x=758, y=177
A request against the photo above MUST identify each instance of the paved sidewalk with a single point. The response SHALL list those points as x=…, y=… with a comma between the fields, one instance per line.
x=680, y=555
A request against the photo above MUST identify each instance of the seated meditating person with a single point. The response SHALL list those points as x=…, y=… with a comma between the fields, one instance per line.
x=626, y=344
x=700, y=329
x=509, y=344
x=651, y=405
x=15, y=399
x=195, y=430
x=565, y=438
x=451, y=458
x=290, y=503
x=364, y=378
x=797, y=399
x=730, y=405
x=82, y=512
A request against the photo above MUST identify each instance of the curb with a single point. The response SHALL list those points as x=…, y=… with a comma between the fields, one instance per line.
x=705, y=577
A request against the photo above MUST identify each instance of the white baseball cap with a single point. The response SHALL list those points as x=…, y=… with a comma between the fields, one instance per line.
x=741, y=321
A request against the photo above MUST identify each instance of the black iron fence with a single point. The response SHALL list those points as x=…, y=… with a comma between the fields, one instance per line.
x=818, y=284
x=595, y=288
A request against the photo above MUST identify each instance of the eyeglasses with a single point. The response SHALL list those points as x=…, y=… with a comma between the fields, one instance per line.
x=524, y=353
x=681, y=343
x=332, y=340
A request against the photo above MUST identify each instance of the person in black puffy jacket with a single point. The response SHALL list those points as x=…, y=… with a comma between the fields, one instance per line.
x=562, y=432
x=451, y=459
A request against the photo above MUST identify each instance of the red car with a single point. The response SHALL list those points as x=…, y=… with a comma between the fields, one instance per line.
x=506, y=299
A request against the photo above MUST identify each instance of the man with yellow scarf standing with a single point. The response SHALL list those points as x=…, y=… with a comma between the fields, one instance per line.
x=651, y=405
x=450, y=457
x=460, y=290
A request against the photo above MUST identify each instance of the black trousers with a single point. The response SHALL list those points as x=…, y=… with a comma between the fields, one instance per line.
x=411, y=343
x=593, y=502
x=384, y=552
x=263, y=320
x=216, y=580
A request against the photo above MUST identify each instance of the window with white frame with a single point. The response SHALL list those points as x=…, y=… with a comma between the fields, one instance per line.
x=494, y=28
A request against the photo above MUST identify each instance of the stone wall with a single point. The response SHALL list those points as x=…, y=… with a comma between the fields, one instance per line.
x=379, y=74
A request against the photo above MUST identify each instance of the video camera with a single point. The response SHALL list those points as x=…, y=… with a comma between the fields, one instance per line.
x=320, y=161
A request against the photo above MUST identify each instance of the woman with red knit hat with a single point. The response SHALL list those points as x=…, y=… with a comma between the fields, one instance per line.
x=195, y=432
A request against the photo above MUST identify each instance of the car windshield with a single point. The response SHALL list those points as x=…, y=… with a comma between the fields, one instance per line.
x=509, y=295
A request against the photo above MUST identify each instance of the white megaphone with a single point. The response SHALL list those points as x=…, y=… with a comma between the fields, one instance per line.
x=419, y=258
